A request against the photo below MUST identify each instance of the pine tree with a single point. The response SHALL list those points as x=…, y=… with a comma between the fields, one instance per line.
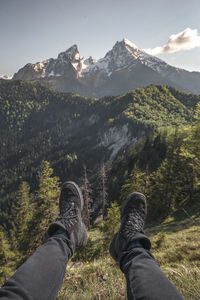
x=190, y=151
x=45, y=204
x=111, y=223
x=87, y=198
x=23, y=213
x=136, y=182
x=7, y=258
x=102, y=188
x=166, y=186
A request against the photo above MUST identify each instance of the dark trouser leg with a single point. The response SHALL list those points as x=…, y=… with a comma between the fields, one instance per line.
x=145, y=280
x=41, y=276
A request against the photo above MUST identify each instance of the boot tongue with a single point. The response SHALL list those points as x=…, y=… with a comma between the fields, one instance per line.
x=68, y=203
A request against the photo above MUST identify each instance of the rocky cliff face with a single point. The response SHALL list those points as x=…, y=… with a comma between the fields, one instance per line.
x=116, y=138
x=123, y=68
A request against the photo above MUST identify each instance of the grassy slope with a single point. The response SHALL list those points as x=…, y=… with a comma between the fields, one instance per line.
x=175, y=245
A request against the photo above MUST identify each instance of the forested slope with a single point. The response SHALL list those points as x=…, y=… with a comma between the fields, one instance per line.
x=67, y=130
x=147, y=140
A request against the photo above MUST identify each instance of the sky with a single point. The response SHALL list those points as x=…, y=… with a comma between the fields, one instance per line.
x=35, y=30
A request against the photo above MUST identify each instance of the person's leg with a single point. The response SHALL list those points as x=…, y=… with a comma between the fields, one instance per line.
x=145, y=280
x=41, y=276
x=130, y=248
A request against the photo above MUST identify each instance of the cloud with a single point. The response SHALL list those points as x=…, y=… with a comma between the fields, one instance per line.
x=184, y=40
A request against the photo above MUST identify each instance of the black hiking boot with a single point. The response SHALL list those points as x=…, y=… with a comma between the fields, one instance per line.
x=69, y=219
x=130, y=234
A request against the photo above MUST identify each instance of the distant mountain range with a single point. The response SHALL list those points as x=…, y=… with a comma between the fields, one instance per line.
x=123, y=68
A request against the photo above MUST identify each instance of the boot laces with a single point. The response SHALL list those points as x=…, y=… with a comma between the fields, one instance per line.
x=133, y=223
x=70, y=216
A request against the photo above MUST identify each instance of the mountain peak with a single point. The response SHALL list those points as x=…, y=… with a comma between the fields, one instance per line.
x=130, y=44
x=124, y=67
x=127, y=48
x=71, y=54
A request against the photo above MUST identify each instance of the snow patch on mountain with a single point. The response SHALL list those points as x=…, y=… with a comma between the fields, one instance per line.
x=125, y=55
x=51, y=74
x=5, y=77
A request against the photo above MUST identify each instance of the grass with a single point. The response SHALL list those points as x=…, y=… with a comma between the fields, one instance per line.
x=100, y=279
x=175, y=245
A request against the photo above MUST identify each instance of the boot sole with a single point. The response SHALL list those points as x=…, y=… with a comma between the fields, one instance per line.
x=131, y=202
x=76, y=190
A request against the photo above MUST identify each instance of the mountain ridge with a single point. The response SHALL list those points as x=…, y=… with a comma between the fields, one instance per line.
x=123, y=68
x=37, y=123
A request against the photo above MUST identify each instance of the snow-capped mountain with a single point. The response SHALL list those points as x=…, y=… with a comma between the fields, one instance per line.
x=123, y=68
x=66, y=62
x=124, y=55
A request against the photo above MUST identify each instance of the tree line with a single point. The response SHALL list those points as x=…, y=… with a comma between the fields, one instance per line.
x=32, y=213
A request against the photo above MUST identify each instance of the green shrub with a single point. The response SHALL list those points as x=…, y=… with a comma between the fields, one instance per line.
x=160, y=239
x=93, y=250
x=111, y=224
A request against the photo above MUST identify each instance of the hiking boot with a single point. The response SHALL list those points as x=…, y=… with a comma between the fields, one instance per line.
x=69, y=219
x=130, y=234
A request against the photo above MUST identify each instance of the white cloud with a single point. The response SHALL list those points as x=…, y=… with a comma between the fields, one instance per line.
x=184, y=40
